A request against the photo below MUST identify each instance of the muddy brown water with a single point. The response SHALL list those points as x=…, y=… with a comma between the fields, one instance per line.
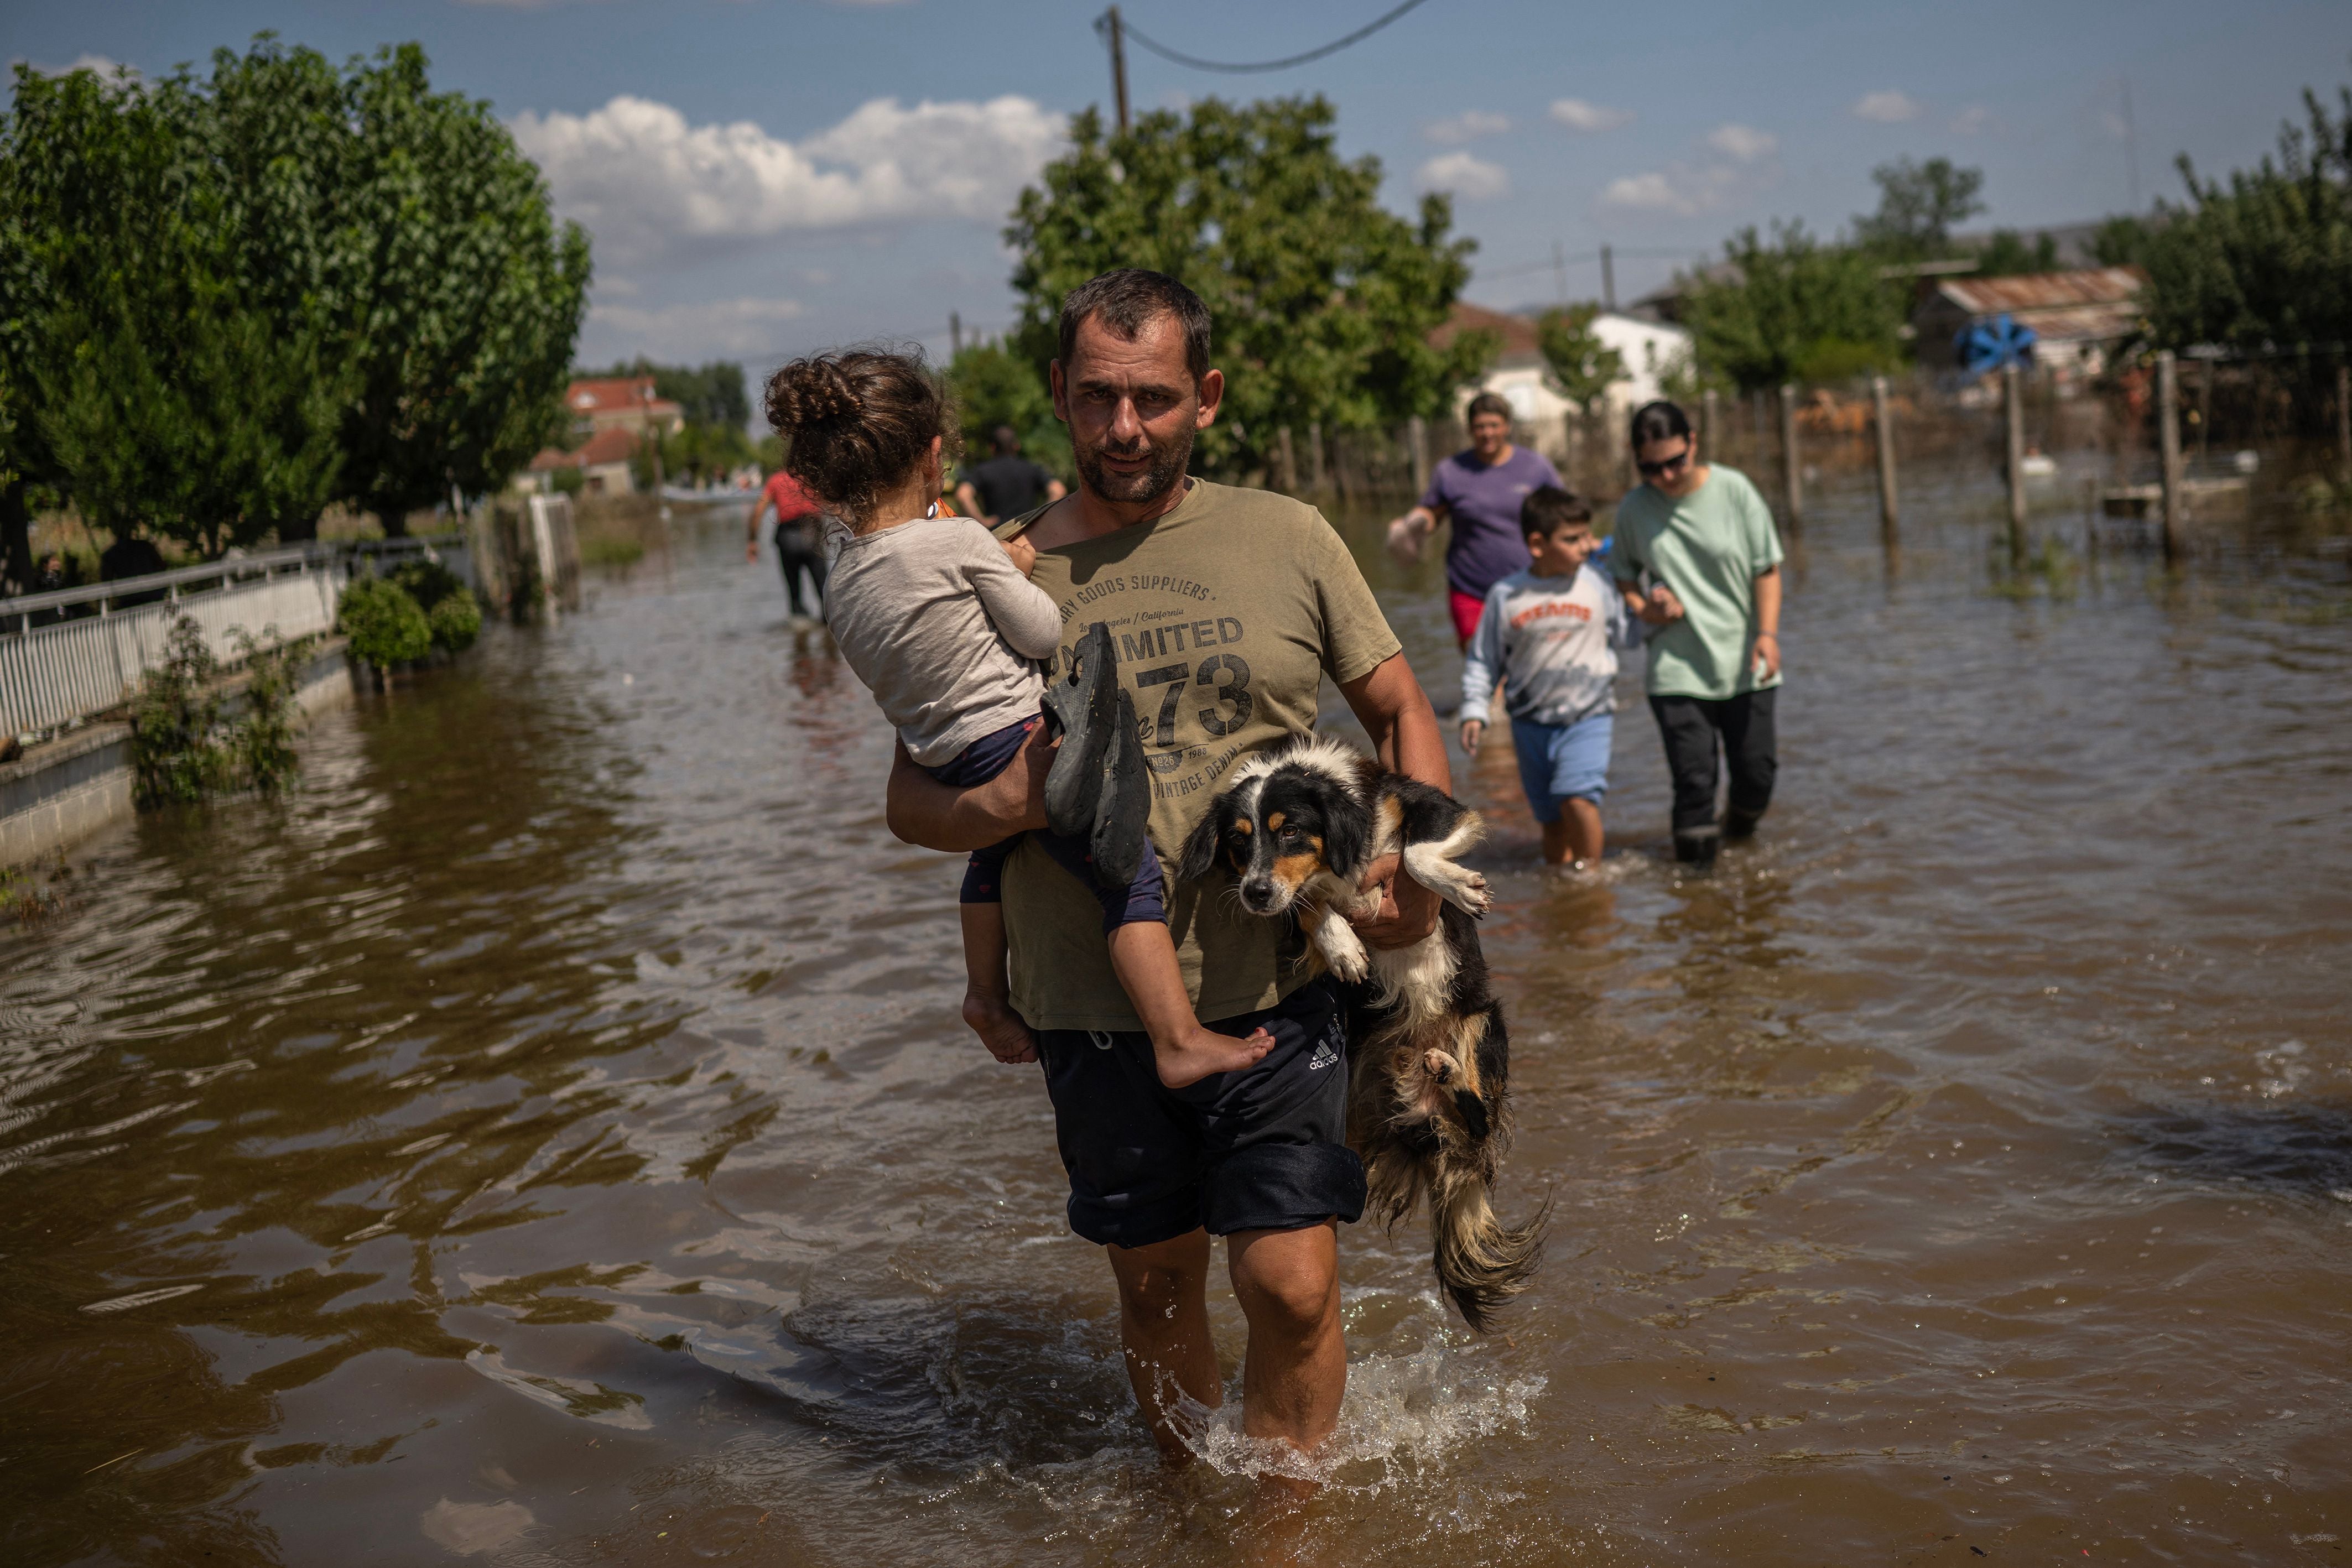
x=547, y=1137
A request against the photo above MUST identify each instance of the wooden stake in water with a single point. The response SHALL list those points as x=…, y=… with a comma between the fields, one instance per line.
x=1416, y=440
x=1791, y=475
x=1889, y=529
x=2344, y=417
x=1315, y=455
x=2167, y=437
x=1287, y=478
x=1710, y=422
x=2012, y=400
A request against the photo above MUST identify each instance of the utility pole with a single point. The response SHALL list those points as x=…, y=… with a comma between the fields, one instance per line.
x=1607, y=281
x=1118, y=67
x=2131, y=145
x=1560, y=272
x=955, y=333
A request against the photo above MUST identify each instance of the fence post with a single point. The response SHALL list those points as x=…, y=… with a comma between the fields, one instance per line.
x=1416, y=437
x=1889, y=519
x=2168, y=436
x=1315, y=455
x=2012, y=400
x=1710, y=422
x=1791, y=473
x=2344, y=417
x=1287, y=452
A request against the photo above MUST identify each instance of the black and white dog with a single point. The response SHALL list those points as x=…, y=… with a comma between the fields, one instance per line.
x=1428, y=1108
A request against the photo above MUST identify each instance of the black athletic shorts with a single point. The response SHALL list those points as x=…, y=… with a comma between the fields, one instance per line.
x=1261, y=1149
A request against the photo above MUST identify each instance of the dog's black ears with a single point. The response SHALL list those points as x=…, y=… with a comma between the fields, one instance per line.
x=1200, y=849
x=1346, y=842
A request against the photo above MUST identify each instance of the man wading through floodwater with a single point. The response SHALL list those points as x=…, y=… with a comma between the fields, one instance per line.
x=1228, y=608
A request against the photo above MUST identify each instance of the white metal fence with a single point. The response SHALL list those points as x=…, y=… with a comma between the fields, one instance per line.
x=53, y=674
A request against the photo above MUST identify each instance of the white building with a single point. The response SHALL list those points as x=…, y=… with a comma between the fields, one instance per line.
x=1650, y=349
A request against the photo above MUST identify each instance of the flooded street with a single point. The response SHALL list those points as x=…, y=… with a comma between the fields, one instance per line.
x=547, y=1136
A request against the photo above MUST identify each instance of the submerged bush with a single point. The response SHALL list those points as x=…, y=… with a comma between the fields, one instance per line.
x=183, y=745
x=384, y=622
x=450, y=612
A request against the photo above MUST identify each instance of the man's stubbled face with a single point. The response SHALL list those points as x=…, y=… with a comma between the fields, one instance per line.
x=1133, y=408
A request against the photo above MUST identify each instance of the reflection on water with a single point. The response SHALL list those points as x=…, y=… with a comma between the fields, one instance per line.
x=548, y=1136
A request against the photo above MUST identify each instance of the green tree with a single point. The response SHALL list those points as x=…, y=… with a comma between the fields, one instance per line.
x=1584, y=366
x=1795, y=309
x=164, y=387
x=467, y=295
x=2008, y=255
x=1919, y=204
x=1323, y=300
x=995, y=384
x=2262, y=261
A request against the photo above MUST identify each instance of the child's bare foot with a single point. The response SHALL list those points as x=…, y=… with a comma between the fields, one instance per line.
x=1201, y=1051
x=1000, y=1028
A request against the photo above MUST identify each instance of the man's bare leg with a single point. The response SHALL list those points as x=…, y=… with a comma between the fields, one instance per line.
x=1576, y=836
x=1289, y=1285
x=1163, y=1322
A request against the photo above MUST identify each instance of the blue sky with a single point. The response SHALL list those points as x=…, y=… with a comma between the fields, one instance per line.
x=762, y=177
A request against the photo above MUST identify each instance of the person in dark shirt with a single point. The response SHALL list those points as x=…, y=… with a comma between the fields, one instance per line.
x=131, y=555
x=1007, y=484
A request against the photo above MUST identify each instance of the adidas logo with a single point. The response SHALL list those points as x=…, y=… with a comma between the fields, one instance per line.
x=1324, y=1057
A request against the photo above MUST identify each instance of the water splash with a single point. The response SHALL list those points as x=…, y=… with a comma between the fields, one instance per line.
x=1404, y=1418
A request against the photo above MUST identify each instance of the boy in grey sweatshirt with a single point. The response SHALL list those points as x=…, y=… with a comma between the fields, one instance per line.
x=1550, y=636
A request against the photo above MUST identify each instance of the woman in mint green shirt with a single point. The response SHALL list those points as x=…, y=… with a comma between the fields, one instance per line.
x=1698, y=561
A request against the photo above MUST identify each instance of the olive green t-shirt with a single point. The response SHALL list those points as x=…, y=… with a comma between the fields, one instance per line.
x=1228, y=612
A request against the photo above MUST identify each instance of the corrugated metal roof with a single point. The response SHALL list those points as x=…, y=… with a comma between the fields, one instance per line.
x=2039, y=291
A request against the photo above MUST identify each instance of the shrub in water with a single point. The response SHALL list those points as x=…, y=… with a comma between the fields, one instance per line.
x=183, y=749
x=384, y=622
x=457, y=621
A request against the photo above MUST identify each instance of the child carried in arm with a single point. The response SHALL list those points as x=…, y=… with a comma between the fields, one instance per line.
x=943, y=625
x=1550, y=636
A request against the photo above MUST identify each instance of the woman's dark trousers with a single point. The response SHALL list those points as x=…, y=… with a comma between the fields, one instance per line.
x=1691, y=726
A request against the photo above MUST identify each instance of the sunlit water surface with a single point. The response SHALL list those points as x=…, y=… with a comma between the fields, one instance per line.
x=547, y=1136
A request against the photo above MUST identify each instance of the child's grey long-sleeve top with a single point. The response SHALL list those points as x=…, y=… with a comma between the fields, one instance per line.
x=943, y=629
x=1552, y=642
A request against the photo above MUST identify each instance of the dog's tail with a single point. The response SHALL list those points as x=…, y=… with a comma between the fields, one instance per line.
x=1481, y=1262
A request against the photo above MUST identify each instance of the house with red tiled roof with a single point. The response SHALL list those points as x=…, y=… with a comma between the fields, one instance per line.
x=620, y=402
x=603, y=461
x=1518, y=374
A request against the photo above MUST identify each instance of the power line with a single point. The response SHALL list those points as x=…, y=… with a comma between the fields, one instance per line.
x=1103, y=25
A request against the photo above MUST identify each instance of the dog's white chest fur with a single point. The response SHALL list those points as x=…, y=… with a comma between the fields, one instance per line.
x=1419, y=975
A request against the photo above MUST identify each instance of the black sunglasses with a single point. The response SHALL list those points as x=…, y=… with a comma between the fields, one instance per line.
x=1653, y=470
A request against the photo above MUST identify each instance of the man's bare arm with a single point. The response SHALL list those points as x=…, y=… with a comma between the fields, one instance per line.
x=1395, y=712
x=921, y=810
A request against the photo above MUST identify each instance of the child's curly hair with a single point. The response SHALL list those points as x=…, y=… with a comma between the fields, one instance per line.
x=856, y=422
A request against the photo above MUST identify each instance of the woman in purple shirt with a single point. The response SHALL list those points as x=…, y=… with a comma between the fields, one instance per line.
x=1480, y=492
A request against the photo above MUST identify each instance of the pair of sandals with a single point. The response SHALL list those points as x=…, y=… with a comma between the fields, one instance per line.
x=1098, y=789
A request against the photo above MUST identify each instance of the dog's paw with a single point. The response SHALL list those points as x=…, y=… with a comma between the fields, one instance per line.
x=1350, y=965
x=1475, y=898
x=1438, y=1065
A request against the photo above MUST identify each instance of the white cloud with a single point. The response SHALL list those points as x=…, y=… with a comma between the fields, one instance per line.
x=1744, y=142
x=648, y=184
x=1678, y=189
x=1578, y=115
x=104, y=64
x=1971, y=119
x=714, y=328
x=1887, y=107
x=1471, y=178
x=1466, y=126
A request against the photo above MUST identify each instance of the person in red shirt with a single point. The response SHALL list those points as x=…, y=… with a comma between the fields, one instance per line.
x=799, y=547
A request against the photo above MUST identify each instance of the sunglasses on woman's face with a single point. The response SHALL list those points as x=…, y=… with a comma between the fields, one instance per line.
x=1660, y=470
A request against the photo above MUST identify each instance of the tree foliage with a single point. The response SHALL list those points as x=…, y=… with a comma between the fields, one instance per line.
x=2007, y=255
x=1794, y=309
x=1584, y=366
x=2262, y=261
x=1919, y=204
x=1323, y=300
x=996, y=384
x=227, y=300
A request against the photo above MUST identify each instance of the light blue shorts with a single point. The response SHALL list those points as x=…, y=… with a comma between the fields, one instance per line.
x=1562, y=762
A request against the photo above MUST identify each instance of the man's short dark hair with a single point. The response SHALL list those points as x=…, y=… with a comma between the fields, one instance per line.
x=1005, y=438
x=1129, y=299
x=1549, y=509
x=1658, y=420
x=1489, y=402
